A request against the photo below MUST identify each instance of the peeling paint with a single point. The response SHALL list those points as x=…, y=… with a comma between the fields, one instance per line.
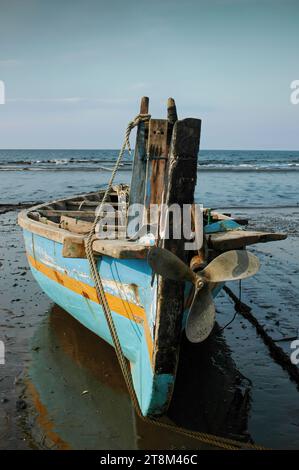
x=128, y=292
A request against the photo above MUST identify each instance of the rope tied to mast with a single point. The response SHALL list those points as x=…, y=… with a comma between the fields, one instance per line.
x=218, y=441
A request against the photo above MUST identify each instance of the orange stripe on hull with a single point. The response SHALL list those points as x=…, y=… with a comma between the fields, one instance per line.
x=120, y=306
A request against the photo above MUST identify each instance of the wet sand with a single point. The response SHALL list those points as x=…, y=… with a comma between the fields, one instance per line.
x=61, y=386
x=22, y=304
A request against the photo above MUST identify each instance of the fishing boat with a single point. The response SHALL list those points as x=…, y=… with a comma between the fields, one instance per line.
x=153, y=287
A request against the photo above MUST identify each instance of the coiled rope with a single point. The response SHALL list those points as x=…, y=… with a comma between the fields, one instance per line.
x=206, y=438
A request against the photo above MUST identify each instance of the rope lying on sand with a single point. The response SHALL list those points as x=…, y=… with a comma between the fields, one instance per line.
x=276, y=352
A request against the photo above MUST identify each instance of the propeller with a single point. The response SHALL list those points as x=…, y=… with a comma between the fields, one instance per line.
x=201, y=316
x=229, y=266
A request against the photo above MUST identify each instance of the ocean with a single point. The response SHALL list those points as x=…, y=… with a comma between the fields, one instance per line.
x=235, y=178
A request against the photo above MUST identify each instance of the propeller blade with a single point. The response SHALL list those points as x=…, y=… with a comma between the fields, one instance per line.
x=231, y=266
x=169, y=266
x=201, y=317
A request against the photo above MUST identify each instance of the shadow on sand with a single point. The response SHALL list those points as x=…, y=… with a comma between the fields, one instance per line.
x=77, y=398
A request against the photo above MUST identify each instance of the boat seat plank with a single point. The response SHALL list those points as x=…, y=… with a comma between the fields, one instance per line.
x=73, y=247
x=70, y=213
x=75, y=225
x=120, y=249
x=83, y=226
x=93, y=203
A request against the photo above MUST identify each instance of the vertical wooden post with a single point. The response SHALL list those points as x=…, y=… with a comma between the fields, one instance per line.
x=172, y=117
x=171, y=111
x=137, y=189
x=156, y=161
x=182, y=172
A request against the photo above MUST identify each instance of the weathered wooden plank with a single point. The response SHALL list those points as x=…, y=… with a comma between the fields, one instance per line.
x=70, y=213
x=120, y=249
x=84, y=204
x=44, y=230
x=74, y=214
x=139, y=166
x=172, y=117
x=182, y=171
x=157, y=155
x=236, y=239
x=73, y=248
x=75, y=225
x=49, y=231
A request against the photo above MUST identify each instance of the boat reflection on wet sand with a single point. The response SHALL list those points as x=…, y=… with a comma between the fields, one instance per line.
x=77, y=398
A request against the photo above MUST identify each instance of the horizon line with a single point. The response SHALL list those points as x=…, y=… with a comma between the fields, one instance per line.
x=133, y=149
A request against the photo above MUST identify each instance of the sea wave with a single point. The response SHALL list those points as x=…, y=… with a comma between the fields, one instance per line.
x=55, y=161
x=107, y=164
x=128, y=167
x=104, y=160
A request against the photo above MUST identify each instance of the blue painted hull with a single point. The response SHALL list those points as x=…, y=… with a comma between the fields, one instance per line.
x=132, y=297
x=68, y=283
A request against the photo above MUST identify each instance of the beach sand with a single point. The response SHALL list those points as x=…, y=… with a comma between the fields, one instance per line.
x=61, y=386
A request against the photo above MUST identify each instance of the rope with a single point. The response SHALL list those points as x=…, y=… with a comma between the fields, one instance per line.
x=211, y=439
x=277, y=353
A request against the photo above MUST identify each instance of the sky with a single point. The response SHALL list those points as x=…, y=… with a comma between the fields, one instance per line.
x=74, y=71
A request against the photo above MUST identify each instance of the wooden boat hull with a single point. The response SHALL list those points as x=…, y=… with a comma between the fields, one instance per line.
x=131, y=298
x=143, y=319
